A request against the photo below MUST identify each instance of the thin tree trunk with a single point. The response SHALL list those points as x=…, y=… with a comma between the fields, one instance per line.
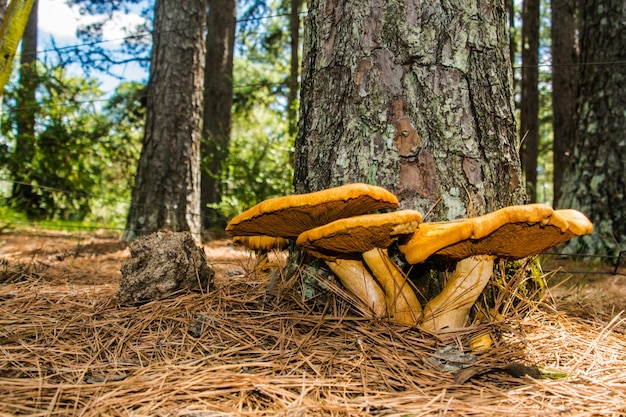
x=3, y=10
x=218, y=100
x=14, y=20
x=529, y=104
x=595, y=182
x=564, y=84
x=23, y=198
x=294, y=66
x=510, y=7
x=166, y=195
x=412, y=96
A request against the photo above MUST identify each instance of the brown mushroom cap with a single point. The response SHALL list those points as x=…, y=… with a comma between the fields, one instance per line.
x=291, y=215
x=261, y=243
x=513, y=232
x=358, y=234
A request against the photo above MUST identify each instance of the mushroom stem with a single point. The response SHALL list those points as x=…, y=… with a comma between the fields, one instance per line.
x=402, y=303
x=262, y=259
x=450, y=309
x=356, y=278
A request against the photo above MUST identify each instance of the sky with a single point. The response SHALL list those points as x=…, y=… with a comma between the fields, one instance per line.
x=58, y=20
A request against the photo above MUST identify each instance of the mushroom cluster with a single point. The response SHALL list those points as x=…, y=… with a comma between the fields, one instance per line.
x=337, y=225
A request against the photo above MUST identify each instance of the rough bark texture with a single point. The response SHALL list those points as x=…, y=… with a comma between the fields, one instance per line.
x=595, y=181
x=414, y=96
x=529, y=103
x=166, y=195
x=218, y=100
x=564, y=84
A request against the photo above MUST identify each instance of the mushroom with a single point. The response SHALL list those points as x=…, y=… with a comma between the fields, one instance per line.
x=357, y=279
x=261, y=246
x=513, y=232
x=289, y=216
x=367, y=238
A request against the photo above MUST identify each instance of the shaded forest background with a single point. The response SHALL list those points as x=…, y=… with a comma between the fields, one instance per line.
x=69, y=153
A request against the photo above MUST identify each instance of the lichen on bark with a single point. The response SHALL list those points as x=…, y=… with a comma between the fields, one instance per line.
x=413, y=96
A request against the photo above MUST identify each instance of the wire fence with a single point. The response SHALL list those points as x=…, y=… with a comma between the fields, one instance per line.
x=301, y=14
x=150, y=33
x=617, y=261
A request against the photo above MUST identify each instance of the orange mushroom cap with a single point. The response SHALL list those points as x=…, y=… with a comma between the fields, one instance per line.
x=512, y=232
x=291, y=215
x=358, y=234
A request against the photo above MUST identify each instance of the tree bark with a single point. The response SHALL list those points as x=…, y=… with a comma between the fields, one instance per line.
x=564, y=84
x=414, y=96
x=14, y=20
x=529, y=103
x=595, y=182
x=166, y=194
x=510, y=8
x=23, y=198
x=3, y=10
x=218, y=100
x=294, y=66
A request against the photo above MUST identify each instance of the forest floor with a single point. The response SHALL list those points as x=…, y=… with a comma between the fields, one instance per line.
x=68, y=348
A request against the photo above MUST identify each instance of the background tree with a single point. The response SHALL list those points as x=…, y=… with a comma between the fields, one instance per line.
x=166, y=194
x=294, y=65
x=218, y=101
x=14, y=20
x=23, y=196
x=3, y=9
x=564, y=84
x=415, y=97
x=594, y=181
x=529, y=103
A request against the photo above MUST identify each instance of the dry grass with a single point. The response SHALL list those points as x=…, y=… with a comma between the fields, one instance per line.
x=67, y=348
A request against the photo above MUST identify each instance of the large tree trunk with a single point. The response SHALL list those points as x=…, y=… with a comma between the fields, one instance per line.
x=166, y=195
x=595, y=181
x=23, y=198
x=564, y=84
x=218, y=101
x=414, y=96
x=529, y=103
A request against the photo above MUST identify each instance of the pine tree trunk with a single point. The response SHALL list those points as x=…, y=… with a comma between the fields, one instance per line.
x=218, y=100
x=412, y=96
x=23, y=198
x=564, y=84
x=595, y=181
x=529, y=103
x=294, y=66
x=166, y=195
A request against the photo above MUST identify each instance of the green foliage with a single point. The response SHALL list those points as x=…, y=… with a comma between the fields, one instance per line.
x=76, y=148
x=259, y=163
